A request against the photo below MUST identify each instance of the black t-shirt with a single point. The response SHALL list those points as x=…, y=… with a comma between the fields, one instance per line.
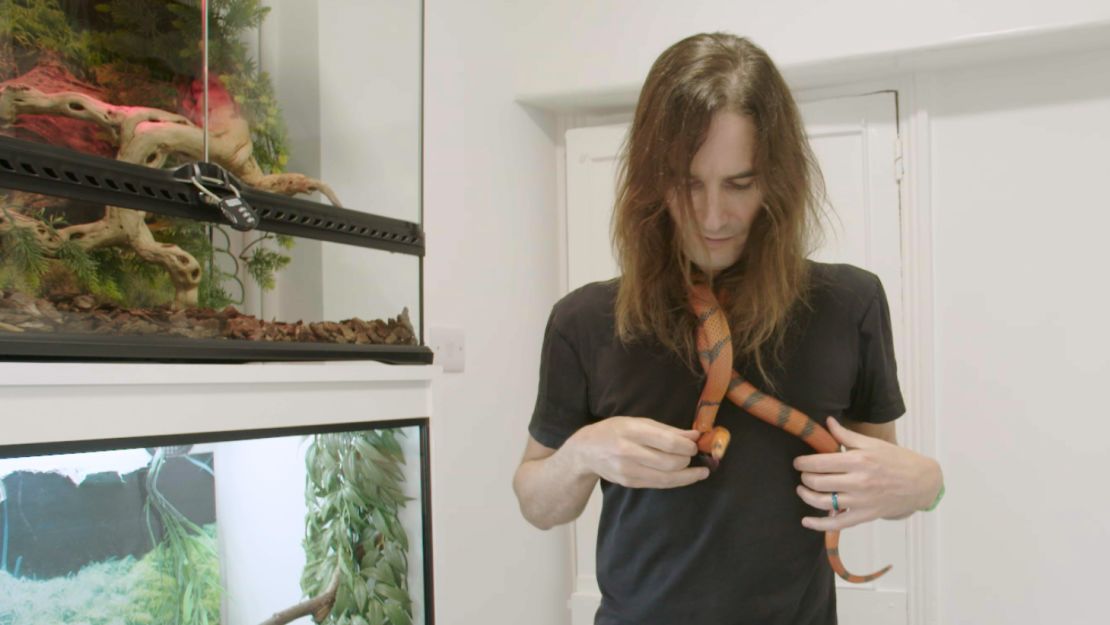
x=728, y=550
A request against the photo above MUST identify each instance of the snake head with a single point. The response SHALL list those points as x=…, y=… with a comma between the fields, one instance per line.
x=712, y=447
x=706, y=460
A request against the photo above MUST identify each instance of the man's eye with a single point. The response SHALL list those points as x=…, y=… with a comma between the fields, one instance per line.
x=740, y=187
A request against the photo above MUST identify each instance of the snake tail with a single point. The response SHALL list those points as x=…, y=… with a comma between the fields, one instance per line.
x=832, y=550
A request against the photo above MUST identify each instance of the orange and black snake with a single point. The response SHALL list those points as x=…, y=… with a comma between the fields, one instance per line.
x=714, y=344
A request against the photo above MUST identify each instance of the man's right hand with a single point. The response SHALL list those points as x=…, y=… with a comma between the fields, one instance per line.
x=637, y=452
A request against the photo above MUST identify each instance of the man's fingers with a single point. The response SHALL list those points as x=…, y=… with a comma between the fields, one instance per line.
x=651, y=478
x=823, y=501
x=685, y=477
x=848, y=438
x=842, y=462
x=661, y=460
x=666, y=438
x=829, y=482
x=836, y=522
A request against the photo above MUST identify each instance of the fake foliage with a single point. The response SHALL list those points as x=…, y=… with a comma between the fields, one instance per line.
x=121, y=277
x=114, y=592
x=185, y=589
x=141, y=51
x=159, y=40
x=353, y=494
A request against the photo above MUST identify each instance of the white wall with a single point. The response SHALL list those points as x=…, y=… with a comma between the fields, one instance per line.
x=1019, y=163
x=605, y=48
x=490, y=217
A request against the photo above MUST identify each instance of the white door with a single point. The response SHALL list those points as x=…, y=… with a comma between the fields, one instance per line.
x=856, y=142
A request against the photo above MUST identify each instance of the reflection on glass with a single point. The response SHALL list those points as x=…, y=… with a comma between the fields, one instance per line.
x=238, y=532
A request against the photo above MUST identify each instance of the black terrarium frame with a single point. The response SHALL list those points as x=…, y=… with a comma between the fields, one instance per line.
x=59, y=172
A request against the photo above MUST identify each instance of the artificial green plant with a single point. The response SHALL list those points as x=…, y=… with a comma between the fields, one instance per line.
x=185, y=588
x=353, y=534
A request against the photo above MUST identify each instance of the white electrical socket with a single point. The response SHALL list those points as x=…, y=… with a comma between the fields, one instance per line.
x=449, y=346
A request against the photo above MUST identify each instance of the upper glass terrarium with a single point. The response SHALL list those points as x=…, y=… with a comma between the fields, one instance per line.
x=300, y=234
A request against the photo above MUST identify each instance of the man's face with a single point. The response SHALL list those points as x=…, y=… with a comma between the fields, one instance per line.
x=725, y=198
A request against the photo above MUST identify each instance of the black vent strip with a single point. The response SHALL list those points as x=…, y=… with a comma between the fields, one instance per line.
x=26, y=167
x=287, y=215
x=50, y=170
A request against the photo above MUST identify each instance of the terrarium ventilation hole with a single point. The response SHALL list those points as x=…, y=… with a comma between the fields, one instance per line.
x=94, y=181
x=318, y=222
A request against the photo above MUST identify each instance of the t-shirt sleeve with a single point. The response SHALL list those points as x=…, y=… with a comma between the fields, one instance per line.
x=562, y=402
x=876, y=397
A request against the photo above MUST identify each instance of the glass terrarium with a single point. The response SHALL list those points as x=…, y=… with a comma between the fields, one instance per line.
x=329, y=522
x=211, y=180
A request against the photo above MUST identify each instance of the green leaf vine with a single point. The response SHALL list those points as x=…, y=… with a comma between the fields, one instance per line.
x=353, y=494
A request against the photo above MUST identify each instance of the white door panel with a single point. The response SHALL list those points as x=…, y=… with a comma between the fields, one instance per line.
x=592, y=158
x=855, y=141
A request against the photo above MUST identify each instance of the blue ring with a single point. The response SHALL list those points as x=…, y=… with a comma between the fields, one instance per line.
x=836, y=504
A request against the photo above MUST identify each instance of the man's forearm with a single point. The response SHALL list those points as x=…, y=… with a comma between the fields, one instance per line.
x=552, y=490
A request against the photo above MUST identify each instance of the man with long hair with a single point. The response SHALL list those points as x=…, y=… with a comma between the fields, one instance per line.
x=717, y=209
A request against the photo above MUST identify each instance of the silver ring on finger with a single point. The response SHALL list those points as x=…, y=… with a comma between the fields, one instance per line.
x=836, y=503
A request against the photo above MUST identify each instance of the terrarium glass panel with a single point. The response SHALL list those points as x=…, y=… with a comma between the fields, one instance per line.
x=314, y=99
x=347, y=75
x=230, y=529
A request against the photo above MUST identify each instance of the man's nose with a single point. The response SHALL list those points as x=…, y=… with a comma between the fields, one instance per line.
x=713, y=212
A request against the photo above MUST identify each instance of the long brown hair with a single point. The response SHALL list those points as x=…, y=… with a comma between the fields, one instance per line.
x=693, y=79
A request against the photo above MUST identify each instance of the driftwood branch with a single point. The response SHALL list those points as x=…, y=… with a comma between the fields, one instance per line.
x=319, y=606
x=148, y=136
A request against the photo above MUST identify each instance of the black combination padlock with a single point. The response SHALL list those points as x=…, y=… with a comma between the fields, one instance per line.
x=220, y=189
x=238, y=214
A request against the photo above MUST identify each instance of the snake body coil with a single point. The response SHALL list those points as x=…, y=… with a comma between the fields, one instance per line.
x=714, y=343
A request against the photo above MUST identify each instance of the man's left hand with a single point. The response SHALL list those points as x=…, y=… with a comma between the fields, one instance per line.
x=872, y=479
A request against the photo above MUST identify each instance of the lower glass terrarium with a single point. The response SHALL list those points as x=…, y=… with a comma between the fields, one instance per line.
x=331, y=525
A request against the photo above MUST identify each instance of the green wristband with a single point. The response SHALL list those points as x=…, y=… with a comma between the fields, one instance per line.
x=936, y=501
